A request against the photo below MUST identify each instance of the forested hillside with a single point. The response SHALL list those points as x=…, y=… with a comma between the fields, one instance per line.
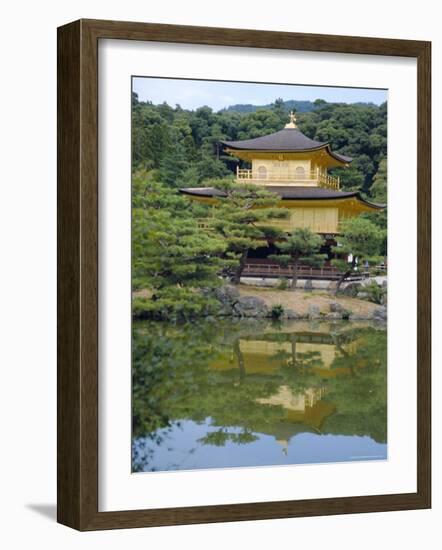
x=290, y=105
x=181, y=147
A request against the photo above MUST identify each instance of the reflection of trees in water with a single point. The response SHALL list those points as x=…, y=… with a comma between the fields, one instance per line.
x=240, y=359
x=174, y=378
x=358, y=390
x=296, y=368
x=221, y=436
x=361, y=397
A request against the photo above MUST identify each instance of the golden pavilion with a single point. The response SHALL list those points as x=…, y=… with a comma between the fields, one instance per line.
x=296, y=168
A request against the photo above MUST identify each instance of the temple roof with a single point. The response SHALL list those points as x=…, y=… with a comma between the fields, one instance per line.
x=287, y=140
x=290, y=193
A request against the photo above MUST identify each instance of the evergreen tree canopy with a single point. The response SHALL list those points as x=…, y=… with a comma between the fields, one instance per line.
x=185, y=145
x=302, y=245
x=242, y=218
x=171, y=257
x=361, y=238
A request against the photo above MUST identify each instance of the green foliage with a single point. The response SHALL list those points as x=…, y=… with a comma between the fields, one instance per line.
x=277, y=311
x=362, y=397
x=299, y=106
x=283, y=284
x=176, y=261
x=169, y=251
x=220, y=437
x=240, y=219
x=171, y=257
x=377, y=270
x=301, y=242
x=378, y=194
x=165, y=360
x=361, y=238
x=174, y=304
x=376, y=293
x=173, y=166
x=378, y=190
x=302, y=245
x=358, y=131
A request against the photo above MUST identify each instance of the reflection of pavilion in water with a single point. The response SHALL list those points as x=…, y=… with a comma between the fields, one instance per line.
x=303, y=408
x=312, y=350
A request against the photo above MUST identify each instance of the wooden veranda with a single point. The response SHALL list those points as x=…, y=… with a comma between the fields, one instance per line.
x=263, y=269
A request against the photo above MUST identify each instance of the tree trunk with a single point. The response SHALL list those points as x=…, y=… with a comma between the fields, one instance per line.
x=345, y=275
x=240, y=359
x=295, y=274
x=236, y=279
x=293, y=346
x=341, y=280
x=339, y=346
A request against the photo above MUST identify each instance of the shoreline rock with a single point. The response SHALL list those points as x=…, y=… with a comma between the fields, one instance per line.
x=314, y=312
x=380, y=314
x=250, y=306
x=233, y=304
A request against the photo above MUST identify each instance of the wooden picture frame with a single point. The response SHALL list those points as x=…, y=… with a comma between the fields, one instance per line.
x=78, y=274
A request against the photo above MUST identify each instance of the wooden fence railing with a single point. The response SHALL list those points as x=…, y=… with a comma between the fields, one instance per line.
x=304, y=272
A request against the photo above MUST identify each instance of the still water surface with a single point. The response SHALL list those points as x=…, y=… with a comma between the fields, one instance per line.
x=254, y=393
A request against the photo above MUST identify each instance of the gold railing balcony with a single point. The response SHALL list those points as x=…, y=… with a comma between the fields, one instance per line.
x=313, y=178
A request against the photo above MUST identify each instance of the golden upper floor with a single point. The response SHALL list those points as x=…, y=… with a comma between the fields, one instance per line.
x=287, y=157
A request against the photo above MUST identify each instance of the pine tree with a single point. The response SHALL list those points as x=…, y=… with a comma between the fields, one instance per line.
x=171, y=257
x=378, y=189
x=302, y=245
x=173, y=166
x=363, y=240
x=242, y=217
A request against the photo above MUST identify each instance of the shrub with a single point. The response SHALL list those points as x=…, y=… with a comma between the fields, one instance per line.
x=377, y=271
x=277, y=311
x=346, y=314
x=283, y=284
x=375, y=292
x=174, y=304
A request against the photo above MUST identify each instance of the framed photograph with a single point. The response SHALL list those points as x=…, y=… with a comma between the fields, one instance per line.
x=243, y=274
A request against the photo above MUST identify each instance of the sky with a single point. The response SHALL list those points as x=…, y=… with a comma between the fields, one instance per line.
x=191, y=94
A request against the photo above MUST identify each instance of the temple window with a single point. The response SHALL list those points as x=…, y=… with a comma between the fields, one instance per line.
x=300, y=173
x=262, y=172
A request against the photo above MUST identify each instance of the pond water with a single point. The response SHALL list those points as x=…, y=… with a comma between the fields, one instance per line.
x=237, y=393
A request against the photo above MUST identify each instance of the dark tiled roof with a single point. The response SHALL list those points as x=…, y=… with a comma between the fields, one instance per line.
x=286, y=140
x=338, y=156
x=288, y=193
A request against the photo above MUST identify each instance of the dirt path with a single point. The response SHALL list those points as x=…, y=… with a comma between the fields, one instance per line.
x=299, y=300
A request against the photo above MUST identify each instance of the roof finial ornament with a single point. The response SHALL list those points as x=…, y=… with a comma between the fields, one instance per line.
x=292, y=123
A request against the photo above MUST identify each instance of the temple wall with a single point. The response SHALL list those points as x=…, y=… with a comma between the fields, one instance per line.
x=275, y=169
x=319, y=220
